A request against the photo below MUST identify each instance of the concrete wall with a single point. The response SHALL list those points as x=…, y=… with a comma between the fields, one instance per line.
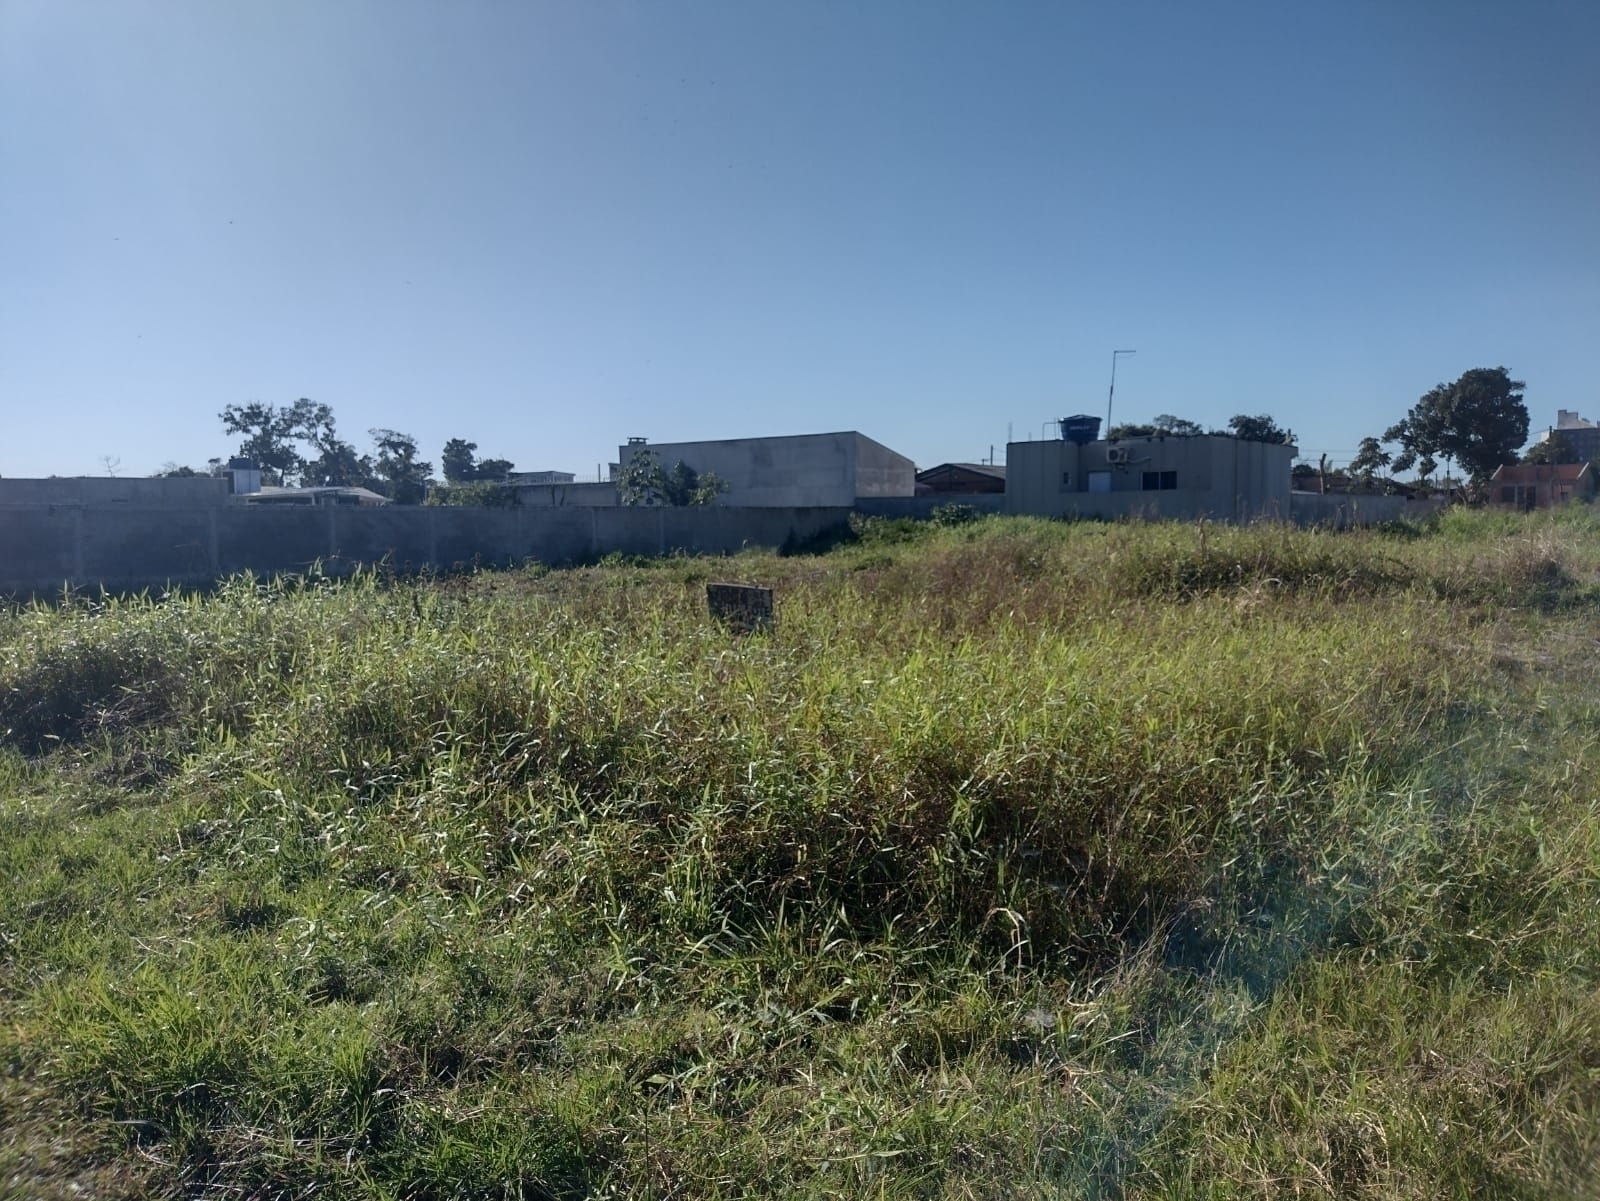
x=187, y=492
x=1225, y=479
x=126, y=547
x=548, y=496
x=1343, y=511
x=923, y=506
x=800, y=471
x=880, y=472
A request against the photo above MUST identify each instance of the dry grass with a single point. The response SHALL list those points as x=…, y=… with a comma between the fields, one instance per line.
x=1023, y=859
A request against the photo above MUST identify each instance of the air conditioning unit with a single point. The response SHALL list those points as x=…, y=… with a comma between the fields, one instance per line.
x=1116, y=454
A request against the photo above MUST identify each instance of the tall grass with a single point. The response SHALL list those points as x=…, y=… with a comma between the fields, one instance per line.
x=1021, y=859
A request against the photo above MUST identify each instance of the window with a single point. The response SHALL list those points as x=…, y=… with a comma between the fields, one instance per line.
x=1508, y=495
x=1066, y=481
x=1160, y=481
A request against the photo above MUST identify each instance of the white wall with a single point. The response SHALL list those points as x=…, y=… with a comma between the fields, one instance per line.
x=802, y=470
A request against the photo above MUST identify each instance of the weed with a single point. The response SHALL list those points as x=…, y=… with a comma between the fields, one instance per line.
x=1022, y=858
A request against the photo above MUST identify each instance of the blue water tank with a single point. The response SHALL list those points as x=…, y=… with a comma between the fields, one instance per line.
x=1081, y=429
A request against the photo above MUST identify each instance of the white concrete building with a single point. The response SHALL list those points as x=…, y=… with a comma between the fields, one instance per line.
x=797, y=471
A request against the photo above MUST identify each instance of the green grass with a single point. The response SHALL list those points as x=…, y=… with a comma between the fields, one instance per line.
x=1022, y=859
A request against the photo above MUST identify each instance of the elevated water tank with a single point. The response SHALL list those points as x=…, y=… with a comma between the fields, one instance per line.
x=1081, y=429
x=246, y=476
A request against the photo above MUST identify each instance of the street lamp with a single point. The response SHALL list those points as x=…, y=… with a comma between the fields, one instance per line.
x=1113, y=390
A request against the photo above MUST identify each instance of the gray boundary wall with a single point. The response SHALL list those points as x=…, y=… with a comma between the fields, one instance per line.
x=1343, y=511
x=125, y=547
x=923, y=506
x=135, y=491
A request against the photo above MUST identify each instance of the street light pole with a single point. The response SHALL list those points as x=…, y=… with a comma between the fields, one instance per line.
x=1113, y=389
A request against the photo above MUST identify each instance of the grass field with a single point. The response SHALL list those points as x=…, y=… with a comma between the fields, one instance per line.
x=1021, y=860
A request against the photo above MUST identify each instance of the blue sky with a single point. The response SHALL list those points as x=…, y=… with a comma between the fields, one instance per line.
x=545, y=227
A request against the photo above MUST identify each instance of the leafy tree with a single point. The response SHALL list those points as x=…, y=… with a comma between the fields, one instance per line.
x=480, y=493
x=459, y=461
x=402, y=477
x=172, y=471
x=1260, y=428
x=1132, y=430
x=271, y=432
x=643, y=481
x=1181, y=427
x=268, y=438
x=461, y=465
x=1479, y=421
x=1553, y=449
x=1370, y=459
x=338, y=465
x=495, y=471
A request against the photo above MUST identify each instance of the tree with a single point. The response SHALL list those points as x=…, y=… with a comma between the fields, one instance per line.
x=1260, y=428
x=461, y=465
x=336, y=463
x=172, y=471
x=495, y=471
x=1552, y=449
x=271, y=432
x=1131, y=430
x=1180, y=427
x=643, y=481
x=268, y=438
x=404, y=477
x=338, y=466
x=458, y=462
x=1370, y=459
x=1479, y=422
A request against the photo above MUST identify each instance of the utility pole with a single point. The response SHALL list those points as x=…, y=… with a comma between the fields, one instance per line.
x=1112, y=391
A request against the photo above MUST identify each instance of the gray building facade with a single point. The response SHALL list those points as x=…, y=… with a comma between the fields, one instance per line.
x=1167, y=477
x=803, y=470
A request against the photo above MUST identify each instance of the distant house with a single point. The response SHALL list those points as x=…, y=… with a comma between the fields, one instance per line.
x=790, y=471
x=518, y=478
x=314, y=496
x=961, y=479
x=1541, y=485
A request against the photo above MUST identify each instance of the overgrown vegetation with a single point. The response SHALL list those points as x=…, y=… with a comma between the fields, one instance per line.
x=1023, y=859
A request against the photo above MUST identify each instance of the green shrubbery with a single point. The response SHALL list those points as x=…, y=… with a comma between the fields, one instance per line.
x=1021, y=859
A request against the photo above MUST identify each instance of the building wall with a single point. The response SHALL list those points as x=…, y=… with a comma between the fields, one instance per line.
x=880, y=472
x=803, y=470
x=923, y=506
x=548, y=496
x=1541, y=485
x=1338, y=510
x=123, y=547
x=184, y=492
x=1222, y=478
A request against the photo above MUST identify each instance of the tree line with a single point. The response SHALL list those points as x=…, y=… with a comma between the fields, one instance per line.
x=1247, y=428
x=298, y=445
x=1476, y=423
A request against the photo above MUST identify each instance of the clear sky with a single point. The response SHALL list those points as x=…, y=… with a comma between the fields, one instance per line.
x=545, y=227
